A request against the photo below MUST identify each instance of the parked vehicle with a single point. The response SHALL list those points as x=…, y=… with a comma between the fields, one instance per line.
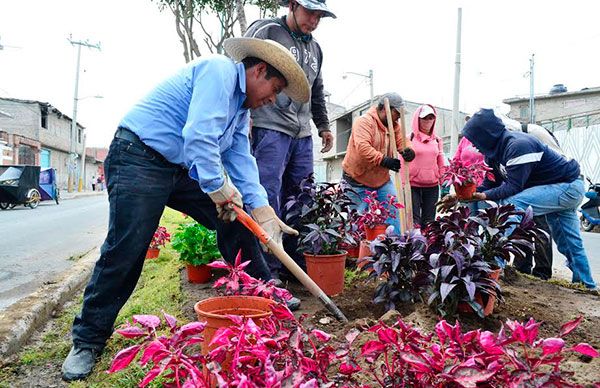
x=590, y=210
x=25, y=185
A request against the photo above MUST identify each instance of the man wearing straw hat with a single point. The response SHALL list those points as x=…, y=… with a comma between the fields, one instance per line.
x=185, y=145
x=281, y=133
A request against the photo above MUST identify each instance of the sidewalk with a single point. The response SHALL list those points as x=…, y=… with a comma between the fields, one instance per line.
x=20, y=320
x=65, y=195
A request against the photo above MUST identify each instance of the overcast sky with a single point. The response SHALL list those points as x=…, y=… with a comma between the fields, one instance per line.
x=409, y=45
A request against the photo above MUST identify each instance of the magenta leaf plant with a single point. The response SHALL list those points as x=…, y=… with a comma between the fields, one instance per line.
x=377, y=212
x=169, y=354
x=238, y=282
x=402, y=356
x=460, y=173
x=160, y=238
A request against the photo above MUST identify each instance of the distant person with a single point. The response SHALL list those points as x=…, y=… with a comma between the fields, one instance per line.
x=93, y=182
x=426, y=170
x=529, y=173
x=185, y=145
x=368, y=159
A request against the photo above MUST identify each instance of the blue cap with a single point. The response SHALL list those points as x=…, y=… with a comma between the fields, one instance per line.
x=313, y=5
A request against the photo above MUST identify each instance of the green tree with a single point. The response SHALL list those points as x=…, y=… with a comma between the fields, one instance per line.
x=226, y=14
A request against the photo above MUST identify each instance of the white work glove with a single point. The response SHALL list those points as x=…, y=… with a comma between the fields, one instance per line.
x=266, y=217
x=227, y=196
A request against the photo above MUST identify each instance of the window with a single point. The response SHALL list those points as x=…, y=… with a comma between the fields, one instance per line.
x=26, y=155
x=79, y=135
x=44, y=116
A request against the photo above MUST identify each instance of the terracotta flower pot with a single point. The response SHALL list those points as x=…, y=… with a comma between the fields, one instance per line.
x=353, y=251
x=375, y=231
x=465, y=191
x=214, y=312
x=364, y=249
x=490, y=300
x=327, y=271
x=198, y=273
x=152, y=253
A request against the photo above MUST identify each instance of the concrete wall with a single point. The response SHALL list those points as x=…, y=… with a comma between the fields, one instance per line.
x=558, y=105
x=328, y=166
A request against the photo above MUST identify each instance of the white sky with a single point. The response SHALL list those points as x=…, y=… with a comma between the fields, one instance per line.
x=409, y=45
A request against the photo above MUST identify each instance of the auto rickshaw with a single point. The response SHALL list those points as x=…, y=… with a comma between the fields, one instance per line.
x=24, y=185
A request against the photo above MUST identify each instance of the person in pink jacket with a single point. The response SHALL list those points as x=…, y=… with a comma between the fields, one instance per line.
x=427, y=167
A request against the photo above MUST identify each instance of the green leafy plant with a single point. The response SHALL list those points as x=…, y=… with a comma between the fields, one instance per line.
x=196, y=244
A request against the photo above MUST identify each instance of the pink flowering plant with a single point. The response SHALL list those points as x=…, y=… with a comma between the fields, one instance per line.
x=277, y=351
x=403, y=356
x=160, y=238
x=377, y=212
x=460, y=173
x=238, y=282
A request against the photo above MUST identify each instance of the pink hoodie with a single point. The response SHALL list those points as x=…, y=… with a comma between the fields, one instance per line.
x=426, y=169
x=467, y=153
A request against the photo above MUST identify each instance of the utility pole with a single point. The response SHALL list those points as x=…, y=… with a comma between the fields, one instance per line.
x=455, y=126
x=531, y=91
x=369, y=77
x=73, y=147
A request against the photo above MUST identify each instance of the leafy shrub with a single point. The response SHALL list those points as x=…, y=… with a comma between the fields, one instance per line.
x=196, y=244
x=319, y=211
x=403, y=356
x=400, y=262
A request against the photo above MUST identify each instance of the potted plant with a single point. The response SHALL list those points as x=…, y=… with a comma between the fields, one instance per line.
x=319, y=211
x=467, y=253
x=160, y=239
x=356, y=232
x=373, y=218
x=197, y=247
x=400, y=262
x=465, y=177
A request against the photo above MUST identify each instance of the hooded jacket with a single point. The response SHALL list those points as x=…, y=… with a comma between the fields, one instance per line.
x=427, y=167
x=368, y=144
x=285, y=115
x=518, y=160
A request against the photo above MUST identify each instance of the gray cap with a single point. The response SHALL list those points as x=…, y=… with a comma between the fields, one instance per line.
x=313, y=5
x=395, y=100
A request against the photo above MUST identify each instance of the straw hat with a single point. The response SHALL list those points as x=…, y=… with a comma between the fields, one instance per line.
x=275, y=55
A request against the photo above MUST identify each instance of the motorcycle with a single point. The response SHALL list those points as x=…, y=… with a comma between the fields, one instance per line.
x=590, y=211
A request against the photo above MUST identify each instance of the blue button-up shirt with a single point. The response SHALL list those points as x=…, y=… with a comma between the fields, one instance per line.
x=196, y=119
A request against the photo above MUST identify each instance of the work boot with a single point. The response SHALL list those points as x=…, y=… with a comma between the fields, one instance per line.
x=79, y=363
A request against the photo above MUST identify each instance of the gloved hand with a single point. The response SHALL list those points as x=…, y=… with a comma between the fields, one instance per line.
x=227, y=196
x=266, y=217
x=390, y=163
x=408, y=154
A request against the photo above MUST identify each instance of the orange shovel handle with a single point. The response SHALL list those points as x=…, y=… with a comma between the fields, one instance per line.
x=249, y=223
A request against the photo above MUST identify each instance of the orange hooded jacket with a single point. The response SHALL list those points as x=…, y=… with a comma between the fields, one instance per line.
x=369, y=143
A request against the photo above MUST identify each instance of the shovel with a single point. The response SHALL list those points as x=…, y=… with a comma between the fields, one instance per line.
x=290, y=264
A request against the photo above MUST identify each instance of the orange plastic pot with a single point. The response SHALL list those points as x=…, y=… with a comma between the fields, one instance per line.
x=214, y=312
x=466, y=191
x=198, y=273
x=152, y=253
x=327, y=271
x=353, y=251
x=364, y=249
x=375, y=231
x=487, y=304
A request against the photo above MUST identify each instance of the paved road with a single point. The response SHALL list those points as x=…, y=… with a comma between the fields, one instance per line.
x=591, y=242
x=36, y=245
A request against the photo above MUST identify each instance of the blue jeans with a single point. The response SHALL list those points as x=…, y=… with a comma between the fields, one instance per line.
x=283, y=161
x=559, y=202
x=140, y=184
x=382, y=193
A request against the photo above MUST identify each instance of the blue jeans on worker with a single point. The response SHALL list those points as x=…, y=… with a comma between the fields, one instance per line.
x=559, y=202
x=140, y=184
x=382, y=193
x=283, y=161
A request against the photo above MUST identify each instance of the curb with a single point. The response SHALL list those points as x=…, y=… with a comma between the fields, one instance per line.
x=21, y=319
x=68, y=196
